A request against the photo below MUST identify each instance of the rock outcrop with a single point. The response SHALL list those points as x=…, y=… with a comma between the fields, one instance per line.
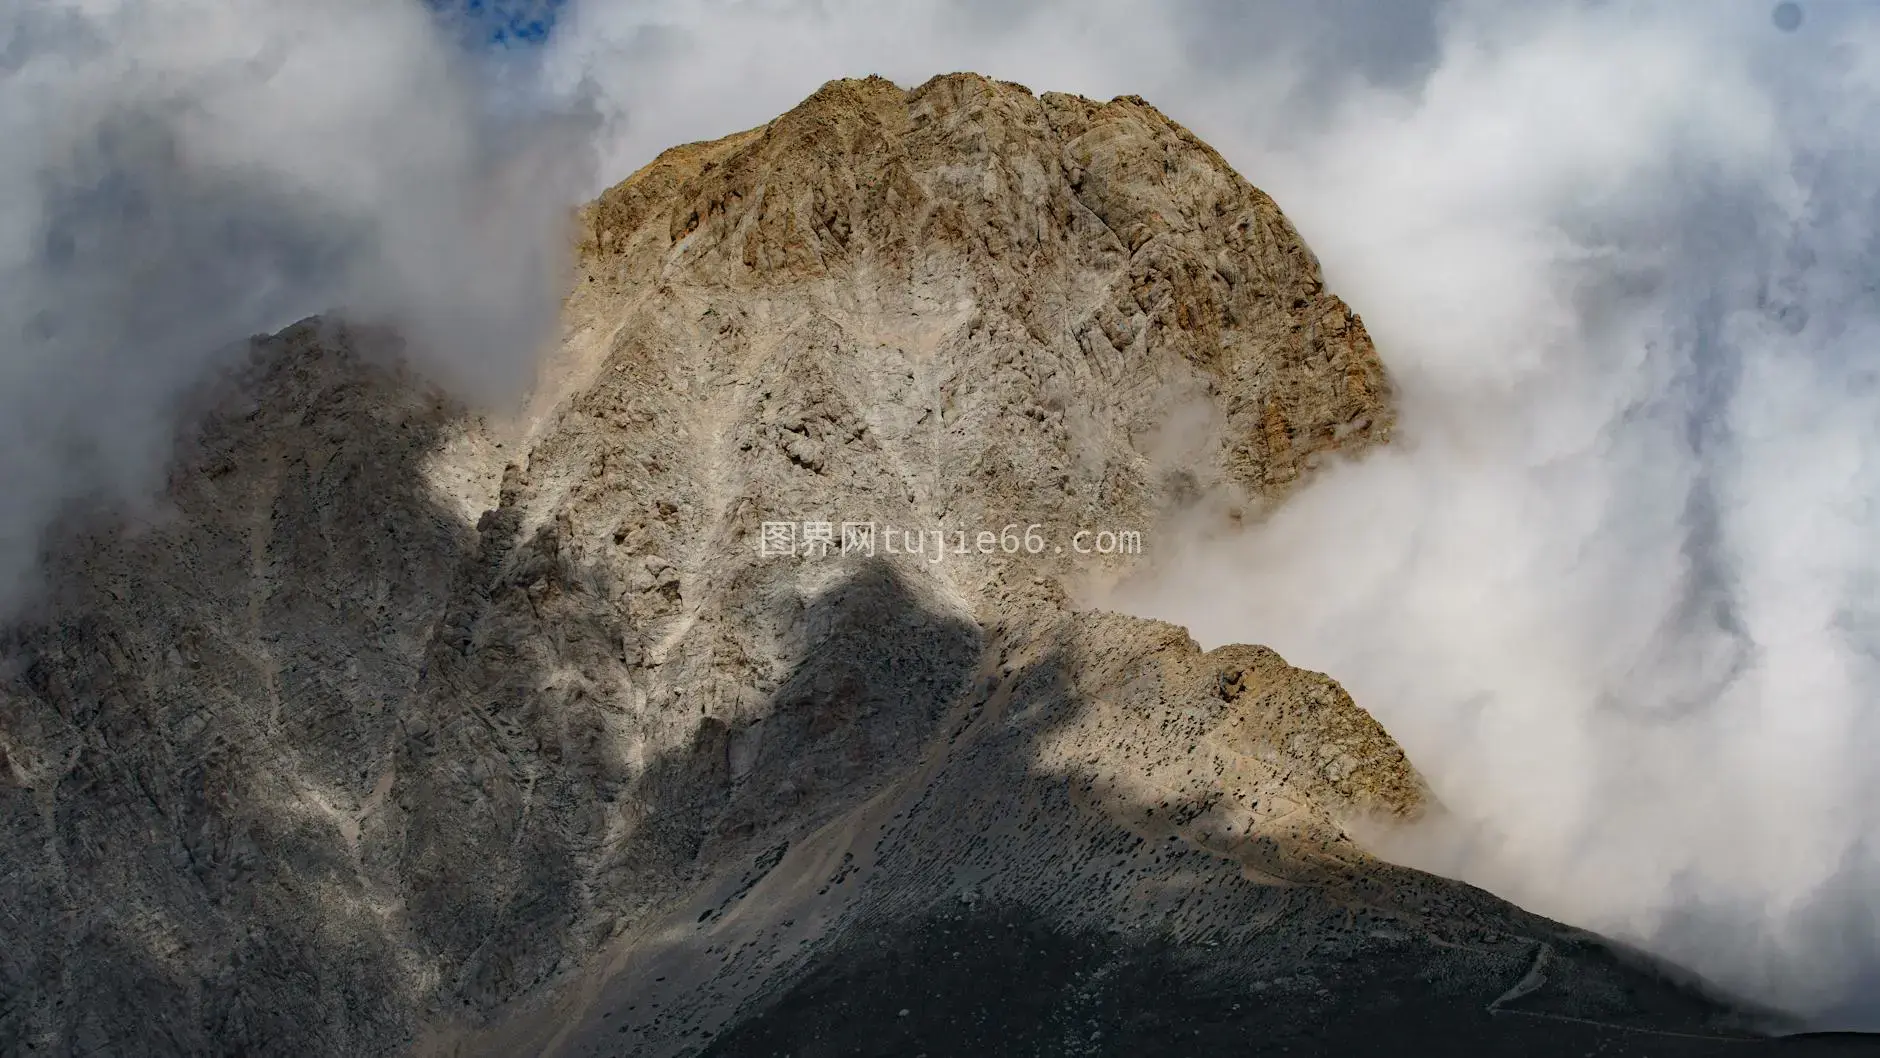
x=596, y=733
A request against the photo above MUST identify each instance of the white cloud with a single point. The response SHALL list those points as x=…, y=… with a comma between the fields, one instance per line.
x=180, y=174
x=1615, y=586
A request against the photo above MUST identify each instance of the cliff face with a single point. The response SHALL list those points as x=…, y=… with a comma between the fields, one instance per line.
x=408, y=730
x=984, y=277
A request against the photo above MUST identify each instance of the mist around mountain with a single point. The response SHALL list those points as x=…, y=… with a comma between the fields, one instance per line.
x=417, y=730
x=1582, y=530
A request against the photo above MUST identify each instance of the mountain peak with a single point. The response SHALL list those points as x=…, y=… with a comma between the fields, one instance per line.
x=1104, y=225
x=763, y=654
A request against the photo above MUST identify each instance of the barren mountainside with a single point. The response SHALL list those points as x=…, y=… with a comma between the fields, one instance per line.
x=411, y=731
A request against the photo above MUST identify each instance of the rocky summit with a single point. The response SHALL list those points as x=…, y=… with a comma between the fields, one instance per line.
x=744, y=695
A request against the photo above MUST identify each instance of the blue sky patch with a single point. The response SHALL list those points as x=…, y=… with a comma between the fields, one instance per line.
x=501, y=23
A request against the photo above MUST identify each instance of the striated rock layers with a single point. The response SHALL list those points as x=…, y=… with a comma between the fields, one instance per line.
x=409, y=732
